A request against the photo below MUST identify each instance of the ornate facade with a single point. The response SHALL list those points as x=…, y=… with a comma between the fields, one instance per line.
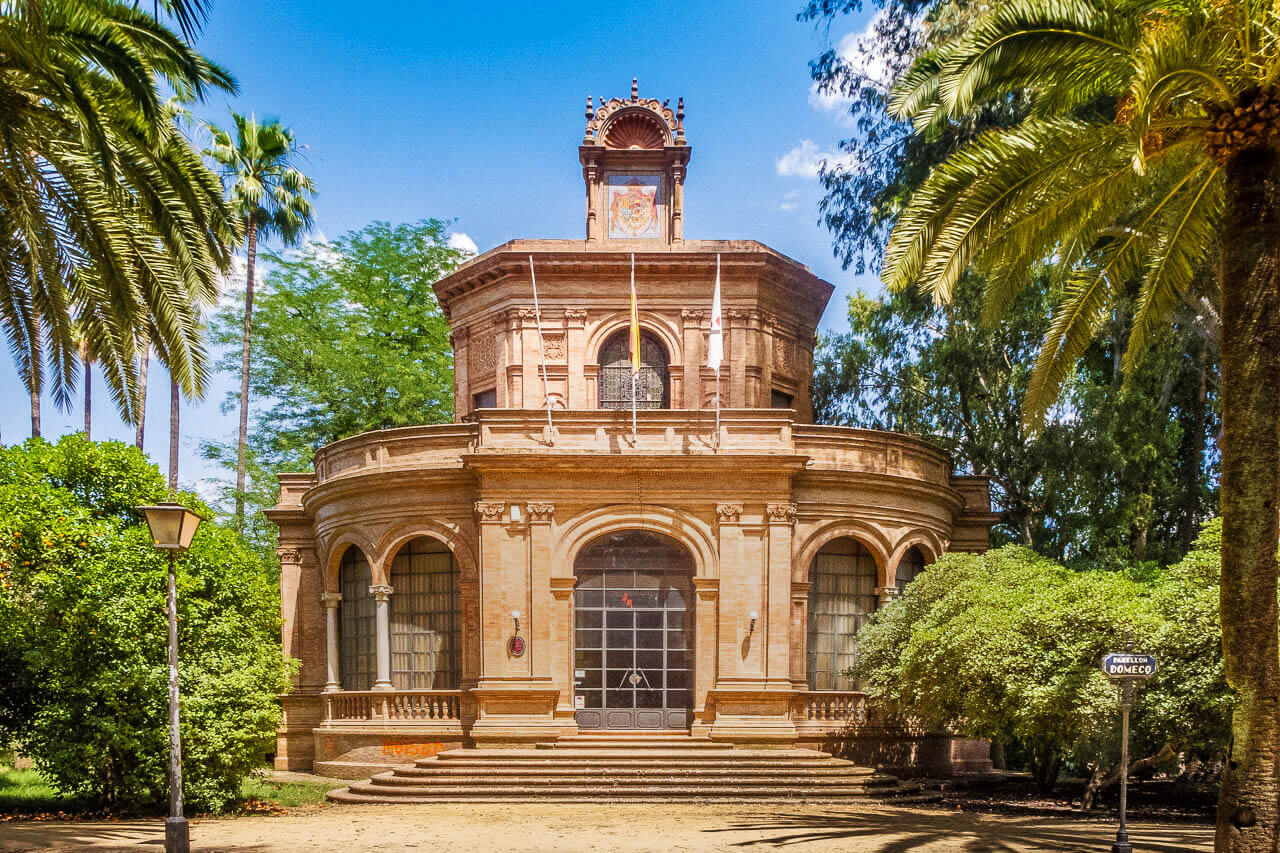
x=519, y=576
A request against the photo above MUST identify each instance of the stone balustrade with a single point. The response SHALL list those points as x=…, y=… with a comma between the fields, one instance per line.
x=392, y=706
x=829, y=709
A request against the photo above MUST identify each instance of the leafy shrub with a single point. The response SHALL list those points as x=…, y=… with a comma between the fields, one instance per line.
x=1006, y=645
x=83, y=632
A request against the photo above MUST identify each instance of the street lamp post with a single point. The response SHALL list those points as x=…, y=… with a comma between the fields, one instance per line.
x=172, y=528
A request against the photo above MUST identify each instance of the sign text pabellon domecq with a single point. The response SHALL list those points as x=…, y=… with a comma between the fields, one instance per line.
x=1129, y=666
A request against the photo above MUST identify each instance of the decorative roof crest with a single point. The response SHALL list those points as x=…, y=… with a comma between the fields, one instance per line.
x=635, y=122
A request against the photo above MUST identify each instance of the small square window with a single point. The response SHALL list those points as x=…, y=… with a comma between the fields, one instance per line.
x=485, y=400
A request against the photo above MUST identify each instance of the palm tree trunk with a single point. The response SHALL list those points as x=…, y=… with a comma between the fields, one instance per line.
x=242, y=442
x=173, y=436
x=88, y=389
x=145, y=360
x=35, y=414
x=1250, y=791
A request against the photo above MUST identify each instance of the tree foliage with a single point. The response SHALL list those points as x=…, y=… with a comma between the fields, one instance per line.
x=1007, y=645
x=109, y=220
x=83, y=632
x=1125, y=472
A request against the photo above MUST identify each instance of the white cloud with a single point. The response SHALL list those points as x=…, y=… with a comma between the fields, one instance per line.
x=806, y=159
x=802, y=161
x=460, y=240
x=789, y=202
x=860, y=52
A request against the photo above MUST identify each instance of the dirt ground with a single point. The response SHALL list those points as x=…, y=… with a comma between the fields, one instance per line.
x=610, y=827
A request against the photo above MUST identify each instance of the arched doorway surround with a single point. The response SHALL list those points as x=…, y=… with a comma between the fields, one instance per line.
x=633, y=632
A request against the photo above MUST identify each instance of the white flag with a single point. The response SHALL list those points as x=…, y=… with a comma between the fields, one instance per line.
x=715, y=343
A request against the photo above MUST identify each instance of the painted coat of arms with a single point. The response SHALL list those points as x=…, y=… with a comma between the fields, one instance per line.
x=633, y=206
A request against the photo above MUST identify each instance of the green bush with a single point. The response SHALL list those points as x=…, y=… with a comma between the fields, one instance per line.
x=1007, y=644
x=83, y=633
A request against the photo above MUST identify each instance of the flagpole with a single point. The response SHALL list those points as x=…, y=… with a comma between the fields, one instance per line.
x=542, y=348
x=715, y=345
x=635, y=351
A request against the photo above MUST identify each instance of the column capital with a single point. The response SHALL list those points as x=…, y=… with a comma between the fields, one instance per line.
x=490, y=510
x=289, y=554
x=540, y=510
x=781, y=513
x=729, y=513
x=575, y=315
x=381, y=592
x=886, y=593
x=331, y=599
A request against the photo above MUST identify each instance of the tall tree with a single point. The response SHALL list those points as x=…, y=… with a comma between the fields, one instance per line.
x=108, y=216
x=1154, y=141
x=144, y=363
x=175, y=402
x=272, y=198
x=349, y=337
x=86, y=365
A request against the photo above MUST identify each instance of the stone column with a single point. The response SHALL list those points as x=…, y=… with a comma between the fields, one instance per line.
x=799, y=636
x=540, y=514
x=562, y=663
x=735, y=394
x=885, y=594
x=733, y=605
x=331, y=600
x=695, y=357
x=461, y=370
x=706, y=593
x=575, y=349
x=677, y=204
x=382, y=625
x=777, y=611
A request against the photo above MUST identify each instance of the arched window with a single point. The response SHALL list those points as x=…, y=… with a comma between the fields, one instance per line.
x=615, y=372
x=911, y=564
x=356, y=631
x=842, y=594
x=426, y=617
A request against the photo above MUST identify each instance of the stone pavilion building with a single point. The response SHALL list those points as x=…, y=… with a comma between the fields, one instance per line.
x=518, y=578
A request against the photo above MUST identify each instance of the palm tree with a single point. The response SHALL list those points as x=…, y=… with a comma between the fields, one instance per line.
x=87, y=366
x=108, y=216
x=144, y=362
x=1151, y=149
x=271, y=197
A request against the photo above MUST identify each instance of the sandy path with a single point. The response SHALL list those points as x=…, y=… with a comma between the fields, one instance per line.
x=590, y=827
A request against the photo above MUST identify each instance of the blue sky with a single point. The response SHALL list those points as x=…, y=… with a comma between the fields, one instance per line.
x=474, y=113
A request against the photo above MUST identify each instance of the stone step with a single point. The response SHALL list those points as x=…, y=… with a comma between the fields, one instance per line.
x=343, y=795
x=670, y=792
x=631, y=743
x=596, y=770
x=665, y=755
x=660, y=778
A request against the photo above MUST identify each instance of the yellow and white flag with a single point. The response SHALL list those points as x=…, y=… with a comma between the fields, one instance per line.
x=715, y=342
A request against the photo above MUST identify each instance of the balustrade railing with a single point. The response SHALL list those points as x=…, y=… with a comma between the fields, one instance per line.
x=841, y=707
x=393, y=706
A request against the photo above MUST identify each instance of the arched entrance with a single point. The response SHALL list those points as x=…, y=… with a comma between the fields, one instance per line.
x=633, y=637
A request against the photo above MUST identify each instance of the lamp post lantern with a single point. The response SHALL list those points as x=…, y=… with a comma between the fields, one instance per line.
x=172, y=528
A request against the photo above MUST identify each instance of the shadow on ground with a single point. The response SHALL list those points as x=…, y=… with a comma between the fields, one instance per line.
x=879, y=833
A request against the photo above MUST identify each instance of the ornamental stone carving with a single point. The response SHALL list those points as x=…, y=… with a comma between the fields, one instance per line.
x=490, y=510
x=331, y=599
x=729, y=513
x=575, y=313
x=553, y=347
x=482, y=355
x=289, y=555
x=540, y=511
x=781, y=513
x=381, y=592
x=693, y=314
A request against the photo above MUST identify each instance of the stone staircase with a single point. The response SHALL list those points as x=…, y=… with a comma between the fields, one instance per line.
x=632, y=767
